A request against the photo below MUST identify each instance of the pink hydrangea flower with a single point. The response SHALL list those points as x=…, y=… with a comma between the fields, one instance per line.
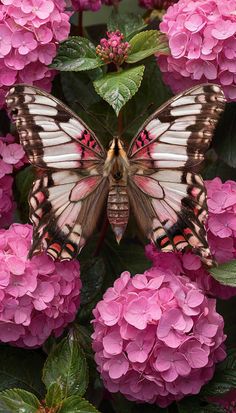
x=202, y=45
x=156, y=336
x=29, y=34
x=156, y=4
x=111, y=2
x=11, y=158
x=227, y=401
x=38, y=297
x=83, y=5
x=93, y=5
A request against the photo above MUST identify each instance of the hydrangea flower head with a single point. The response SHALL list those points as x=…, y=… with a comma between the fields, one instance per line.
x=227, y=401
x=30, y=31
x=113, y=49
x=156, y=337
x=11, y=159
x=83, y=5
x=111, y=2
x=202, y=45
x=38, y=296
x=156, y=4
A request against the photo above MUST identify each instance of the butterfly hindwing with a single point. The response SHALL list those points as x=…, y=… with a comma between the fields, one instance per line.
x=52, y=135
x=167, y=196
x=65, y=208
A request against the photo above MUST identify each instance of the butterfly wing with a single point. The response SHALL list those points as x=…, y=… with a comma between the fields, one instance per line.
x=69, y=192
x=52, y=135
x=64, y=208
x=167, y=195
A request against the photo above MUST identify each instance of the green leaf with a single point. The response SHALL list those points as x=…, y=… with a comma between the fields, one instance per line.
x=23, y=184
x=76, y=404
x=145, y=44
x=21, y=368
x=76, y=54
x=84, y=338
x=66, y=365
x=54, y=395
x=92, y=275
x=18, y=401
x=225, y=273
x=129, y=24
x=118, y=88
x=224, y=378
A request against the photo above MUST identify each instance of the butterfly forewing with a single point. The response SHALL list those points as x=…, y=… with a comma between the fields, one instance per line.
x=69, y=192
x=164, y=157
x=52, y=135
x=180, y=132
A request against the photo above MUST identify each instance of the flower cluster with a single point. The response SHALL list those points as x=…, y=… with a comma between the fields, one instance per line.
x=227, y=401
x=113, y=49
x=202, y=45
x=221, y=233
x=221, y=223
x=83, y=5
x=37, y=296
x=93, y=5
x=111, y=2
x=29, y=32
x=11, y=158
x=156, y=337
x=156, y=4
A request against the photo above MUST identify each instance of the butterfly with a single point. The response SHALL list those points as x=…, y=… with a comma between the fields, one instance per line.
x=156, y=179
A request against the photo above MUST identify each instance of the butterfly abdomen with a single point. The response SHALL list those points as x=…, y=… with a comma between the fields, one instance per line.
x=118, y=210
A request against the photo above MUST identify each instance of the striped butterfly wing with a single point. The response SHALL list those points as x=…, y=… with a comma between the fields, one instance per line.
x=64, y=208
x=69, y=192
x=167, y=195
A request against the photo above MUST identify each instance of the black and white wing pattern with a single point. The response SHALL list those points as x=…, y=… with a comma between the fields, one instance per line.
x=167, y=195
x=67, y=196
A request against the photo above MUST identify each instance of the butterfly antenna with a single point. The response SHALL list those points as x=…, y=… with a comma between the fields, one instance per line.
x=96, y=119
x=138, y=117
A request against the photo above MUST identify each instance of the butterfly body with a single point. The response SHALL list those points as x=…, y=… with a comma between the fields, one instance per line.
x=156, y=178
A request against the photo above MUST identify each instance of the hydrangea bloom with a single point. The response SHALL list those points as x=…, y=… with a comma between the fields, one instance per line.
x=93, y=5
x=30, y=31
x=82, y=5
x=11, y=158
x=221, y=231
x=37, y=296
x=156, y=337
x=227, y=401
x=202, y=44
x=111, y=2
x=156, y=4
x=221, y=223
